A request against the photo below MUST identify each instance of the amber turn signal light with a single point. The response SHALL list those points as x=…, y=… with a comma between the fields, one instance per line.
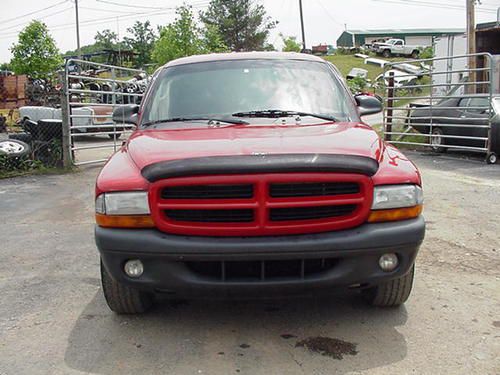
x=395, y=214
x=124, y=221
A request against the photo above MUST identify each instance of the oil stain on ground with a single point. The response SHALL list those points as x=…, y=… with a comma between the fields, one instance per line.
x=327, y=346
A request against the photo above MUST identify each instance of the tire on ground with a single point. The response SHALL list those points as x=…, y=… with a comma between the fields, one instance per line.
x=123, y=299
x=14, y=148
x=392, y=293
x=24, y=137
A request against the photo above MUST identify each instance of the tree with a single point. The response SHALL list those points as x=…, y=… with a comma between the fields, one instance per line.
x=142, y=41
x=290, y=44
x=35, y=53
x=184, y=37
x=106, y=39
x=244, y=25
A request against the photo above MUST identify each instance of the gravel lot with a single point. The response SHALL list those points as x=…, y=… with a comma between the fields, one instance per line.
x=53, y=319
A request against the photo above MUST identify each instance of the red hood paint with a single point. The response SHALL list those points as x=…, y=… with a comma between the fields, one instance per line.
x=150, y=146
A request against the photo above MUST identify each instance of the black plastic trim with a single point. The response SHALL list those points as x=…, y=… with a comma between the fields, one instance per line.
x=244, y=164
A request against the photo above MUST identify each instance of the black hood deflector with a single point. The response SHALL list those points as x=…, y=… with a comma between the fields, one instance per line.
x=248, y=164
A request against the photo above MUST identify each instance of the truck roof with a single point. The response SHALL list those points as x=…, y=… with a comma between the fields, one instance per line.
x=243, y=56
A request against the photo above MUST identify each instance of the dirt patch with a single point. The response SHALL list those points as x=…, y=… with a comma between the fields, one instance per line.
x=496, y=323
x=288, y=336
x=327, y=346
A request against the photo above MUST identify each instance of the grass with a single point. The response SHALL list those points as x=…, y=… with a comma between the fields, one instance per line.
x=345, y=63
x=37, y=171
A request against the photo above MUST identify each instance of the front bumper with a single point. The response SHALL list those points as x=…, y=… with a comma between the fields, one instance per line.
x=166, y=257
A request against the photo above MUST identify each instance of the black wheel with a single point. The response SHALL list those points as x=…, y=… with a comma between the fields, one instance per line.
x=414, y=54
x=391, y=293
x=23, y=137
x=492, y=158
x=121, y=298
x=113, y=135
x=386, y=53
x=14, y=148
x=437, y=141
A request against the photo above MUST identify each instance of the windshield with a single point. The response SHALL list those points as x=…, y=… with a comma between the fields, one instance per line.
x=222, y=88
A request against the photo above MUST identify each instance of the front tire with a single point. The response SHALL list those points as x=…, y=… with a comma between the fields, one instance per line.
x=386, y=53
x=392, y=293
x=123, y=299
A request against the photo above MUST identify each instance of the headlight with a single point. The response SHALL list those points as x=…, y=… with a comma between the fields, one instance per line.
x=395, y=203
x=396, y=196
x=126, y=203
x=123, y=210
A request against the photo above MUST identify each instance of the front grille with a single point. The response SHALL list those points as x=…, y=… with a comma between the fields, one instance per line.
x=261, y=270
x=309, y=213
x=260, y=204
x=284, y=190
x=211, y=216
x=213, y=191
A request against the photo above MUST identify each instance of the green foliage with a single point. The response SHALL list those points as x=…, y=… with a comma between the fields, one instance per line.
x=180, y=38
x=213, y=42
x=427, y=53
x=35, y=53
x=243, y=24
x=106, y=39
x=357, y=84
x=184, y=37
x=290, y=44
x=141, y=41
x=5, y=66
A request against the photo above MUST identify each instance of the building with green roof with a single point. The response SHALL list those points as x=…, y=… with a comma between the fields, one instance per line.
x=423, y=37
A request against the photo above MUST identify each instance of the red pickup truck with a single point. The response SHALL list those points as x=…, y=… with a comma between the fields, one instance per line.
x=252, y=175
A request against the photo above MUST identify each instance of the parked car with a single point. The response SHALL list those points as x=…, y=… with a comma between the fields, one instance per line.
x=251, y=174
x=396, y=47
x=82, y=125
x=457, y=121
x=400, y=78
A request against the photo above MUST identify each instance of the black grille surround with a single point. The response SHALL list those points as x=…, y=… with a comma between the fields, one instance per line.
x=312, y=189
x=211, y=191
x=212, y=216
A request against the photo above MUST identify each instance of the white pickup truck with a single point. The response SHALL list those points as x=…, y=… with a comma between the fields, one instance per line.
x=395, y=47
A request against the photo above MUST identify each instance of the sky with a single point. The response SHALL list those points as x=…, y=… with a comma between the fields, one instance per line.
x=324, y=19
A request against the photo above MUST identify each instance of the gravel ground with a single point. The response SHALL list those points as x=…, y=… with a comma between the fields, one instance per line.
x=53, y=319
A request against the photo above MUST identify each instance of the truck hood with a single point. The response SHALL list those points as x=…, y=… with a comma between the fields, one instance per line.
x=154, y=145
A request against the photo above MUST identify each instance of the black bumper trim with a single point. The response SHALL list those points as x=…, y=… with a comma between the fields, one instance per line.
x=163, y=255
x=245, y=164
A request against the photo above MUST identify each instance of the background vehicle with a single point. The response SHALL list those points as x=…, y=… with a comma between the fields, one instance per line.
x=396, y=47
x=456, y=120
x=251, y=174
x=36, y=113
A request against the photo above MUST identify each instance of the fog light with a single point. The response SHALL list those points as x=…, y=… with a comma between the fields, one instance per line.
x=134, y=268
x=388, y=262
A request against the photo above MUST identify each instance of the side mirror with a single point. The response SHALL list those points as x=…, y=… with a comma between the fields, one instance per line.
x=368, y=105
x=127, y=114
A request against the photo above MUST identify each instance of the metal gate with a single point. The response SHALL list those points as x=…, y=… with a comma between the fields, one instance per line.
x=91, y=92
x=440, y=103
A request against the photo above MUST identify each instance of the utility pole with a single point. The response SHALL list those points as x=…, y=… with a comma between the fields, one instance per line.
x=302, y=26
x=78, y=51
x=471, y=41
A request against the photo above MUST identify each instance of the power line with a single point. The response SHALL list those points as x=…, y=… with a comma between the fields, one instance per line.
x=39, y=18
x=34, y=12
x=127, y=5
x=434, y=5
x=328, y=13
x=99, y=21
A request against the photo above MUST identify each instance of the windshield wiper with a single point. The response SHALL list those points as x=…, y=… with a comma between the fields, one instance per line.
x=277, y=113
x=209, y=119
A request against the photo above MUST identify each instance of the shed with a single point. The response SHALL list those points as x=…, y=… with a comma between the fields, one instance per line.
x=425, y=37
